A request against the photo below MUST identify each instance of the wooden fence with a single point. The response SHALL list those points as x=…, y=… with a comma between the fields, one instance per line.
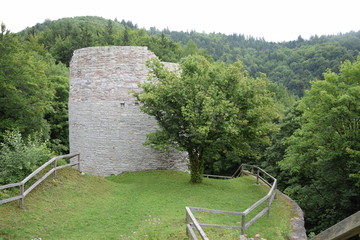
x=345, y=229
x=260, y=174
x=21, y=184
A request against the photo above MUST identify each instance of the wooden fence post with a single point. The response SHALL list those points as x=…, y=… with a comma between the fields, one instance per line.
x=186, y=222
x=268, y=206
x=257, y=176
x=243, y=223
x=78, y=158
x=22, y=195
x=55, y=165
x=275, y=191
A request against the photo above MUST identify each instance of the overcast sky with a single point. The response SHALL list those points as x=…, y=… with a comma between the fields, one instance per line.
x=275, y=20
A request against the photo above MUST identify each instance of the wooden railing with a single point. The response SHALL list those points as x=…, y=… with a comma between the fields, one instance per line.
x=21, y=184
x=345, y=229
x=260, y=174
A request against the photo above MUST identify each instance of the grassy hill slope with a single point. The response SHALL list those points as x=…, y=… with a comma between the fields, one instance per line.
x=140, y=205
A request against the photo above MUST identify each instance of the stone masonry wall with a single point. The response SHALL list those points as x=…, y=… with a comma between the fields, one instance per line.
x=106, y=125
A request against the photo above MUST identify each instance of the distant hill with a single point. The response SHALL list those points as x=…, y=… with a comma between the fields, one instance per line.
x=61, y=37
x=292, y=64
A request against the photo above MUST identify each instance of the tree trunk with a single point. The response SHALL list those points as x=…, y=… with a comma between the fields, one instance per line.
x=196, y=167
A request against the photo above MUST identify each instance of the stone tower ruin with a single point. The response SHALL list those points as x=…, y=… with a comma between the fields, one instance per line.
x=106, y=125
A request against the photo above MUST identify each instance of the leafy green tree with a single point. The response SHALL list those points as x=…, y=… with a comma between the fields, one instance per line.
x=191, y=49
x=323, y=153
x=164, y=48
x=207, y=109
x=109, y=32
x=279, y=143
x=63, y=49
x=85, y=38
x=126, y=37
x=58, y=76
x=57, y=116
x=25, y=92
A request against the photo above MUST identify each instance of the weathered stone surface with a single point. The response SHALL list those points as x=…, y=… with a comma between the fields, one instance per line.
x=106, y=125
x=297, y=221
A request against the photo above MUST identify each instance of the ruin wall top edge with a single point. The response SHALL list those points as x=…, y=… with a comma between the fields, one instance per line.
x=102, y=48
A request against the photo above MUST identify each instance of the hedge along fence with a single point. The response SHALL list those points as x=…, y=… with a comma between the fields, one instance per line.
x=21, y=184
x=260, y=174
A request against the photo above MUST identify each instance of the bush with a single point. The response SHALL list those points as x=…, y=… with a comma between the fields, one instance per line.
x=19, y=157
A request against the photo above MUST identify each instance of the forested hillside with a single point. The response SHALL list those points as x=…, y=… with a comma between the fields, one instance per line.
x=62, y=37
x=312, y=87
x=293, y=64
x=279, y=61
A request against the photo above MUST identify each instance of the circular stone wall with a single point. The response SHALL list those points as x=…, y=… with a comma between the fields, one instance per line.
x=106, y=126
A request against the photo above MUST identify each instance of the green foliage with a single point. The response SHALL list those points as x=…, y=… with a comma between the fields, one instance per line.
x=280, y=142
x=322, y=155
x=25, y=92
x=293, y=64
x=21, y=157
x=33, y=90
x=192, y=49
x=57, y=117
x=62, y=37
x=207, y=109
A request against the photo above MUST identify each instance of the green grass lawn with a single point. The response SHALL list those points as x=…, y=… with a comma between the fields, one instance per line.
x=138, y=205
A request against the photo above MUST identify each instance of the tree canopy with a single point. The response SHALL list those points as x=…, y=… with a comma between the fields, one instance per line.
x=323, y=153
x=293, y=64
x=63, y=36
x=207, y=109
x=25, y=93
x=33, y=89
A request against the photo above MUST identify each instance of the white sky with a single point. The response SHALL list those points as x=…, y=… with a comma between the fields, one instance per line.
x=275, y=20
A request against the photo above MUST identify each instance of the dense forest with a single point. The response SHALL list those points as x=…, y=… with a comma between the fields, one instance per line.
x=313, y=146
x=293, y=64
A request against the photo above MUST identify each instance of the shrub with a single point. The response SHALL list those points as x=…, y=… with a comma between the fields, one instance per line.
x=19, y=157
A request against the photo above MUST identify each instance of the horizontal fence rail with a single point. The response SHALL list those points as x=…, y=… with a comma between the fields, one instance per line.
x=21, y=184
x=345, y=229
x=253, y=170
